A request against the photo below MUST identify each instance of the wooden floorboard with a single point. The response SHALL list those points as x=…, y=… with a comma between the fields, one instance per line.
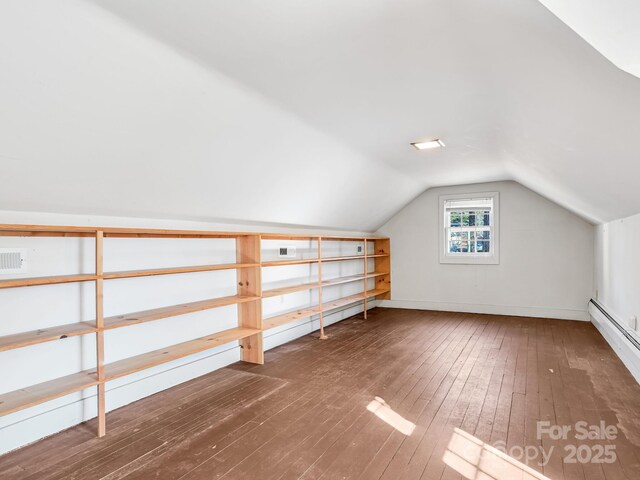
x=303, y=414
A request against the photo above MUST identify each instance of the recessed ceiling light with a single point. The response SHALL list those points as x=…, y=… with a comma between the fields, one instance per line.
x=437, y=143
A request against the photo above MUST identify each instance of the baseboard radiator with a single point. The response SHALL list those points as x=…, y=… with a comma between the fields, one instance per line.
x=616, y=324
x=623, y=342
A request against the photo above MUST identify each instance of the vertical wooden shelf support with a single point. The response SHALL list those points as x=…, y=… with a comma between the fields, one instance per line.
x=382, y=246
x=366, y=283
x=250, y=284
x=102, y=417
x=321, y=318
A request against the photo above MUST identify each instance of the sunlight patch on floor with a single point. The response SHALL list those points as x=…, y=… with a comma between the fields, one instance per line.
x=384, y=412
x=476, y=460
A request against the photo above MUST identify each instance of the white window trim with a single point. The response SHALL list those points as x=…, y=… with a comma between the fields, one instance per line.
x=470, y=259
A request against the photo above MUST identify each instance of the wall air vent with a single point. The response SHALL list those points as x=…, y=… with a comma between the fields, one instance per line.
x=286, y=252
x=13, y=260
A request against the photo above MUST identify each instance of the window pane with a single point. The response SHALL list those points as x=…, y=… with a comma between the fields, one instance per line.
x=481, y=220
x=484, y=246
x=469, y=226
x=464, y=243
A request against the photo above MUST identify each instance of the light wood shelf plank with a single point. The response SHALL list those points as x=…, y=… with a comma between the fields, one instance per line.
x=353, y=257
x=47, y=334
x=127, y=319
x=293, y=236
x=377, y=291
x=341, y=302
x=276, y=263
x=306, y=312
x=274, y=292
x=288, y=317
x=353, y=278
x=43, y=392
x=174, y=270
x=34, y=281
x=57, y=230
x=137, y=363
x=357, y=297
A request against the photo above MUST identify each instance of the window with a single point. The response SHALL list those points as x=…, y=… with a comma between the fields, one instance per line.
x=470, y=228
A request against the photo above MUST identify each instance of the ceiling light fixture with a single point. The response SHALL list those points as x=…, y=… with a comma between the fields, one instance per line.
x=437, y=143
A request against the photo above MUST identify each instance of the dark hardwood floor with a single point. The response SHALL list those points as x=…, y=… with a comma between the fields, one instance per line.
x=450, y=388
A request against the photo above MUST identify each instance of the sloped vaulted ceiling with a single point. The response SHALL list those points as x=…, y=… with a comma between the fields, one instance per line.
x=302, y=112
x=611, y=27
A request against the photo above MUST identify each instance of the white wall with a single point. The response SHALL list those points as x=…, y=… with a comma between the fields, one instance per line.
x=23, y=309
x=617, y=265
x=546, y=259
x=617, y=286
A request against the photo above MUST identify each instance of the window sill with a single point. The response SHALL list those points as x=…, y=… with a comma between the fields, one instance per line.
x=488, y=260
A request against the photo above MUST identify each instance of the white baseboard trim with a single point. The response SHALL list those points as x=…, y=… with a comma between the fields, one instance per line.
x=626, y=351
x=517, y=311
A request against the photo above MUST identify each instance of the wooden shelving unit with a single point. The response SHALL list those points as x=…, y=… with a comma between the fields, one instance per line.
x=381, y=256
x=248, y=299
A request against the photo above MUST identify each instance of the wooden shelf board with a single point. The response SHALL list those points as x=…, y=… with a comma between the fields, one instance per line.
x=287, y=236
x=75, y=231
x=278, y=320
x=276, y=263
x=33, y=337
x=56, y=230
x=274, y=292
x=341, y=302
x=352, y=278
x=155, y=232
x=127, y=319
x=352, y=257
x=338, y=237
x=377, y=291
x=33, y=281
x=29, y=233
x=340, y=259
x=293, y=236
x=306, y=312
x=174, y=270
x=135, y=364
x=43, y=392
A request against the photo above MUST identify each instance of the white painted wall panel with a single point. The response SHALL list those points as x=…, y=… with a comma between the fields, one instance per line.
x=617, y=268
x=546, y=259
